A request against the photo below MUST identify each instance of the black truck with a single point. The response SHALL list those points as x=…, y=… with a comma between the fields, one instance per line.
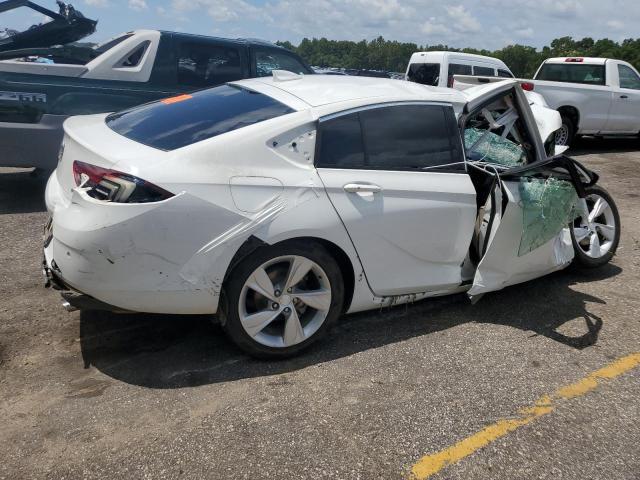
x=44, y=78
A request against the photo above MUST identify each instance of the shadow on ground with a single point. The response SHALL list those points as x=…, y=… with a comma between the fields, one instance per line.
x=599, y=145
x=22, y=191
x=161, y=351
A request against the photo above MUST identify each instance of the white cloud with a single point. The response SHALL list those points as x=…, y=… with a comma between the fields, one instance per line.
x=524, y=32
x=615, y=24
x=460, y=23
x=97, y=3
x=138, y=5
x=462, y=20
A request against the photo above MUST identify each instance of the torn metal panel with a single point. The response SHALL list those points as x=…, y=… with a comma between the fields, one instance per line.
x=501, y=265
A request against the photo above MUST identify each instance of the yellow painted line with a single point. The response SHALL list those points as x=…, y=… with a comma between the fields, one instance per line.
x=431, y=464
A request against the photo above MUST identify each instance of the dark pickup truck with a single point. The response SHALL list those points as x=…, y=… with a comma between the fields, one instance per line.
x=42, y=83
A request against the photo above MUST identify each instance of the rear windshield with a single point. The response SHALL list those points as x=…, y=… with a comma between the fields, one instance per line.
x=573, y=73
x=424, y=73
x=186, y=119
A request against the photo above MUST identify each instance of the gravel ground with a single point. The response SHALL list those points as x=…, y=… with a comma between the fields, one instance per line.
x=88, y=395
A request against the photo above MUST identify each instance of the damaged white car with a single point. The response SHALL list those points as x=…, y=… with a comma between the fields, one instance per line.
x=281, y=203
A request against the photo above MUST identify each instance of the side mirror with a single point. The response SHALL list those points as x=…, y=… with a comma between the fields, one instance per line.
x=560, y=149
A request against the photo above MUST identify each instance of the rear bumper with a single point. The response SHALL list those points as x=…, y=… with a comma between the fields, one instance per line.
x=72, y=299
x=32, y=144
x=135, y=257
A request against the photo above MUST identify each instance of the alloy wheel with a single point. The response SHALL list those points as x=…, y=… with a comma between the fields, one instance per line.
x=562, y=135
x=595, y=228
x=284, y=301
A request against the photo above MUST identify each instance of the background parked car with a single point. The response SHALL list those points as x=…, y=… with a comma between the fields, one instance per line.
x=131, y=69
x=595, y=96
x=438, y=68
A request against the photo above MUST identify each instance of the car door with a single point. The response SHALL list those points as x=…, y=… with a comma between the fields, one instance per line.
x=525, y=209
x=625, y=109
x=395, y=175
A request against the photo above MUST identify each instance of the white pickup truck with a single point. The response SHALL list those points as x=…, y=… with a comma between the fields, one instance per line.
x=595, y=96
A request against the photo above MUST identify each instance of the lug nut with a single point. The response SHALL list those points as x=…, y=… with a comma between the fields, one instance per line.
x=289, y=290
x=287, y=310
x=277, y=293
x=275, y=306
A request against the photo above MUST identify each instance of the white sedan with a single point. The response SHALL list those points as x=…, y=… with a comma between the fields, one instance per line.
x=281, y=203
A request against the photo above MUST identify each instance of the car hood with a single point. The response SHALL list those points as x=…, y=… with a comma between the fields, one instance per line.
x=66, y=26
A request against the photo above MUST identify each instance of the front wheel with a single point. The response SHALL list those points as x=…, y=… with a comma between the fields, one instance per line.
x=595, y=233
x=281, y=299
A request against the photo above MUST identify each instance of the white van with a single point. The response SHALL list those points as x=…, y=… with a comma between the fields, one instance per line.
x=438, y=68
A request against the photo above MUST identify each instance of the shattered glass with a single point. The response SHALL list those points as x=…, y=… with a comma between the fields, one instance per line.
x=548, y=205
x=494, y=148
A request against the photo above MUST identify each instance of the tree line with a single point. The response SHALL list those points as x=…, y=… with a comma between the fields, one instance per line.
x=393, y=56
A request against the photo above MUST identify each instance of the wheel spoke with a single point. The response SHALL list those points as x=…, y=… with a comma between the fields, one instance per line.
x=580, y=233
x=300, y=266
x=256, y=322
x=293, y=332
x=260, y=282
x=598, y=209
x=594, y=246
x=607, y=231
x=317, y=299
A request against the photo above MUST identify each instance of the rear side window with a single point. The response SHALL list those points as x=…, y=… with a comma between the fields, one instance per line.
x=268, y=59
x=424, y=73
x=406, y=137
x=573, y=73
x=341, y=143
x=459, y=69
x=399, y=137
x=628, y=78
x=206, y=65
x=180, y=121
x=484, y=72
x=504, y=73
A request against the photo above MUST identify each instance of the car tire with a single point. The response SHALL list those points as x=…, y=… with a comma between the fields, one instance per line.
x=587, y=253
x=567, y=132
x=242, y=307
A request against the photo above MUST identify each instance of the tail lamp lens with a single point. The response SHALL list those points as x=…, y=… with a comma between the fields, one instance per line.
x=114, y=186
x=528, y=86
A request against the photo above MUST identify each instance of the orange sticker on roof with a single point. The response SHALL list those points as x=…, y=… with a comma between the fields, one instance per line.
x=179, y=98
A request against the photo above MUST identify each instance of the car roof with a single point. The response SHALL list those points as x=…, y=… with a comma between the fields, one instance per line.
x=241, y=41
x=320, y=90
x=456, y=55
x=573, y=60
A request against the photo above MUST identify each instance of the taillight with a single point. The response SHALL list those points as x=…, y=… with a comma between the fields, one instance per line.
x=113, y=186
x=574, y=60
x=528, y=86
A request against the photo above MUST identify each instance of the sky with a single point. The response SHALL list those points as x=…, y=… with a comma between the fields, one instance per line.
x=489, y=24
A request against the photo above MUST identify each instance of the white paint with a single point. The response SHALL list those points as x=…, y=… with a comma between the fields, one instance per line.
x=406, y=241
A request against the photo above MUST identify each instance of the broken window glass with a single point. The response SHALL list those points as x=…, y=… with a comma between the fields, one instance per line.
x=492, y=148
x=548, y=206
x=496, y=135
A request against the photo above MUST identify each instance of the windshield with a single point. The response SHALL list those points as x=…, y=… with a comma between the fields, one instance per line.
x=572, y=73
x=189, y=118
x=424, y=73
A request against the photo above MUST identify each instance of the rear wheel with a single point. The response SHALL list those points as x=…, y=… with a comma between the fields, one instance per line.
x=281, y=299
x=596, y=232
x=566, y=133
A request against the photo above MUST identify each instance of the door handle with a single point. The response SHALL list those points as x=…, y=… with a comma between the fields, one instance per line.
x=361, y=187
x=624, y=96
